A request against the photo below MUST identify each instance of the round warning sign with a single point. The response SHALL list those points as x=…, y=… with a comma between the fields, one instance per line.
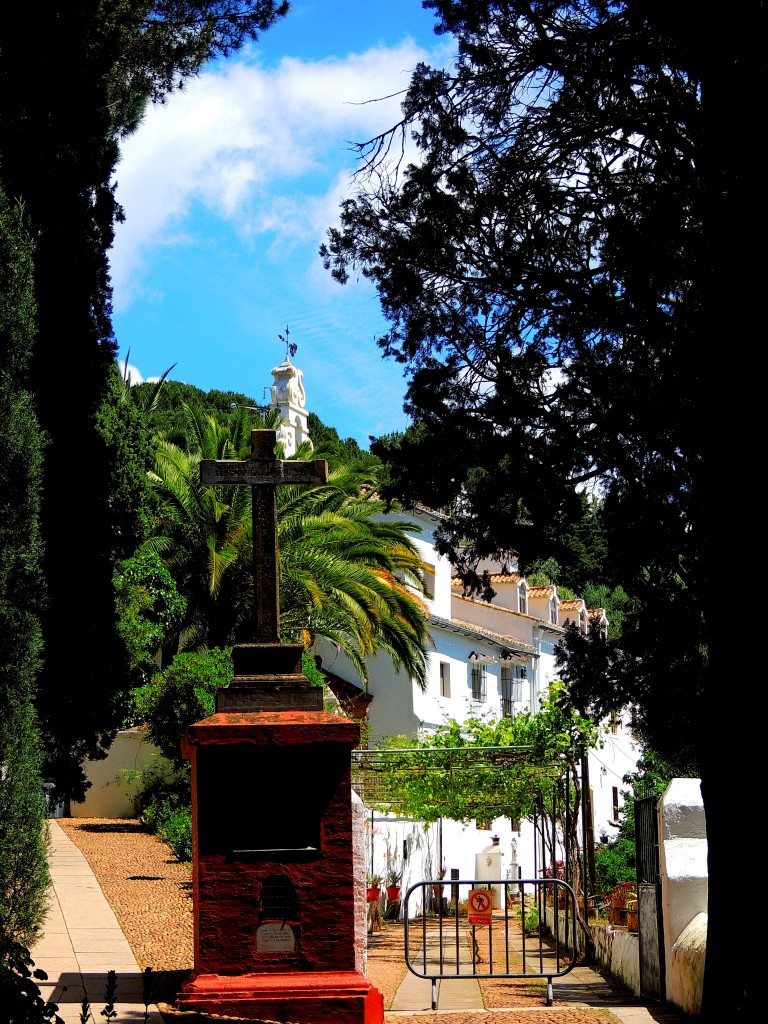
x=480, y=907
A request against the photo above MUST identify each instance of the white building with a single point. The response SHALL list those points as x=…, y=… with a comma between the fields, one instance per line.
x=491, y=658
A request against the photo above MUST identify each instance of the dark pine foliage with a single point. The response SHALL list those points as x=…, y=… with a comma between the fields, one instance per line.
x=569, y=277
x=74, y=79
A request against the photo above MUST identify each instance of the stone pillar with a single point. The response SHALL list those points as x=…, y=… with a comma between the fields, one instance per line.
x=684, y=889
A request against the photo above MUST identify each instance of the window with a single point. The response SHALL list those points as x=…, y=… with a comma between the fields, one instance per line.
x=445, y=679
x=583, y=621
x=479, y=682
x=513, y=678
x=507, y=691
x=552, y=611
x=522, y=604
x=615, y=804
x=614, y=722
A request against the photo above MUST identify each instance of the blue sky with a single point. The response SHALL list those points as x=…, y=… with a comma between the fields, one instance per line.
x=228, y=190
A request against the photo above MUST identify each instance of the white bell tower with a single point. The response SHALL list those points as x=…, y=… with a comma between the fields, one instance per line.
x=289, y=398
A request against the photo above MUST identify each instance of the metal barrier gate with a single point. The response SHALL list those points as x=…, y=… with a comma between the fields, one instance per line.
x=444, y=946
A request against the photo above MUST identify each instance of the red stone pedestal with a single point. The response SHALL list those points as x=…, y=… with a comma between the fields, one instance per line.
x=343, y=997
x=273, y=878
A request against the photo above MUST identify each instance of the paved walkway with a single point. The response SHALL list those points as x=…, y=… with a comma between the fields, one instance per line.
x=82, y=941
x=581, y=988
x=459, y=993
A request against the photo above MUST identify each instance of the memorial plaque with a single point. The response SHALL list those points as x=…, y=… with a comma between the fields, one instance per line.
x=275, y=937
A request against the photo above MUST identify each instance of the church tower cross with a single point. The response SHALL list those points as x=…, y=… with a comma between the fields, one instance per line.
x=265, y=473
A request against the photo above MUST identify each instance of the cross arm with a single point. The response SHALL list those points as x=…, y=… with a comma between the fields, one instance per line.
x=255, y=472
x=263, y=467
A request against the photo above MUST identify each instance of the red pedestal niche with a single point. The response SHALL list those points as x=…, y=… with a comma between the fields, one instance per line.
x=273, y=871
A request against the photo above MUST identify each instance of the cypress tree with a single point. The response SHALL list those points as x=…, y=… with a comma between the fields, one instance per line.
x=23, y=863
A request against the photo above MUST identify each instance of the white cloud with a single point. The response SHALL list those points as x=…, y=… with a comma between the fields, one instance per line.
x=130, y=372
x=133, y=375
x=240, y=142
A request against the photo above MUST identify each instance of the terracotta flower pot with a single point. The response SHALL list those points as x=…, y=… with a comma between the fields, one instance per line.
x=393, y=892
x=373, y=893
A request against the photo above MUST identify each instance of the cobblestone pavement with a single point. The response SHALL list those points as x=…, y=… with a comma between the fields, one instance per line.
x=151, y=895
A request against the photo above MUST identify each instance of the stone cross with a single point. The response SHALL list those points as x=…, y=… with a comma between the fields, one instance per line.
x=264, y=473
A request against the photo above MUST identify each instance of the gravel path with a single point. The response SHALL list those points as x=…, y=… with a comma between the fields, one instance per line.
x=151, y=895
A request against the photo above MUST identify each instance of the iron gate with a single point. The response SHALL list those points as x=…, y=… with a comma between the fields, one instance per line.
x=446, y=946
x=650, y=924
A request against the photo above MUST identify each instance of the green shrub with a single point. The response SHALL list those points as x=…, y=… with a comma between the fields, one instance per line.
x=175, y=828
x=531, y=923
x=614, y=863
x=183, y=693
x=24, y=876
x=162, y=802
x=462, y=907
x=150, y=609
x=170, y=818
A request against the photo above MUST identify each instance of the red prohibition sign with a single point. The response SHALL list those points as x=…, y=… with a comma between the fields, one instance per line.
x=479, y=902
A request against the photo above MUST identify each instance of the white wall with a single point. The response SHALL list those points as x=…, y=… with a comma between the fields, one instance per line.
x=424, y=541
x=607, y=767
x=111, y=791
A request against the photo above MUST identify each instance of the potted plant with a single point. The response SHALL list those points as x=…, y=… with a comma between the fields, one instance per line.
x=373, y=883
x=438, y=889
x=618, y=899
x=392, y=880
x=393, y=874
x=553, y=892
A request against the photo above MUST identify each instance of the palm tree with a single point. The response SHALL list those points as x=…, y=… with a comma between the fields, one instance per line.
x=350, y=575
x=201, y=532
x=347, y=573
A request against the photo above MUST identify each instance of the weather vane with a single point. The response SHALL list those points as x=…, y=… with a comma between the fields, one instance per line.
x=290, y=346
